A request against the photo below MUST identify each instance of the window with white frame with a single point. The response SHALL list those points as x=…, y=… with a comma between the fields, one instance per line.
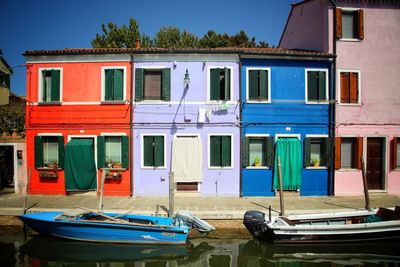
x=153, y=147
x=113, y=148
x=220, y=151
x=50, y=87
x=349, y=23
x=114, y=83
x=257, y=151
x=317, y=85
x=49, y=151
x=258, y=84
x=153, y=84
x=220, y=83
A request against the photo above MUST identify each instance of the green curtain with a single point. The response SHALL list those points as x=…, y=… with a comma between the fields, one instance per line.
x=289, y=150
x=80, y=167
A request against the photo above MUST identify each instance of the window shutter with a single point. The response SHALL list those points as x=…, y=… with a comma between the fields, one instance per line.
x=148, y=151
x=60, y=151
x=393, y=153
x=158, y=151
x=118, y=84
x=307, y=151
x=125, y=152
x=214, y=84
x=344, y=87
x=38, y=151
x=245, y=152
x=226, y=151
x=253, y=84
x=108, y=86
x=322, y=85
x=328, y=152
x=337, y=153
x=55, y=85
x=338, y=23
x=353, y=87
x=263, y=84
x=44, y=89
x=215, y=151
x=101, y=152
x=166, y=87
x=361, y=24
x=227, y=93
x=312, y=84
x=269, y=159
x=139, y=73
x=358, y=153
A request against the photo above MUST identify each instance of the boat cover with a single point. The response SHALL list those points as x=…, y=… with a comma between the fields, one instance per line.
x=186, y=218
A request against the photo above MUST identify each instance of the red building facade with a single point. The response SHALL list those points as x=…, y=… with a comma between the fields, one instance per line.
x=78, y=118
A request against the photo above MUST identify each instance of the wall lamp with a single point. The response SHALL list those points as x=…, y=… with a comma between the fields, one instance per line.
x=186, y=80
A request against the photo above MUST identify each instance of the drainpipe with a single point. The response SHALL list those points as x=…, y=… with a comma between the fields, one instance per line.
x=332, y=103
x=131, y=128
x=240, y=126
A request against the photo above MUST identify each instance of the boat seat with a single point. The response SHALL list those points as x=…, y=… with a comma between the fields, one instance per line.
x=288, y=221
x=387, y=214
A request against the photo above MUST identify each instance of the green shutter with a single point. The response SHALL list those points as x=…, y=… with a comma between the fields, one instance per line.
x=60, y=151
x=101, y=152
x=158, y=151
x=263, y=84
x=269, y=153
x=328, y=146
x=215, y=151
x=245, y=152
x=55, y=85
x=44, y=91
x=108, y=86
x=253, y=84
x=125, y=152
x=227, y=92
x=38, y=152
x=226, y=151
x=148, y=151
x=215, y=93
x=166, y=84
x=307, y=151
x=118, y=88
x=312, y=86
x=321, y=85
x=139, y=73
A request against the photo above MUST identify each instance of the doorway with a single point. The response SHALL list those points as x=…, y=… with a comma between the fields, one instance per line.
x=80, y=165
x=375, y=163
x=187, y=162
x=6, y=167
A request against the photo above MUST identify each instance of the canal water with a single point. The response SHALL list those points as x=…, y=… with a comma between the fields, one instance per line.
x=36, y=250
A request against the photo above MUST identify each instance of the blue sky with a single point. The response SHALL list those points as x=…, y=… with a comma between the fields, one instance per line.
x=50, y=24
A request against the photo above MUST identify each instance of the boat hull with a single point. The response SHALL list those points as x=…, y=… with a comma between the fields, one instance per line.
x=44, y=223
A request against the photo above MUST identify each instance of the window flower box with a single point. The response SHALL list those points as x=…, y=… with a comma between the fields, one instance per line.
x=48, y=174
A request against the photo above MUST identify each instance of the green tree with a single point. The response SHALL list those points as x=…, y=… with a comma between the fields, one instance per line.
x=117, y=37
x=11, y=120
x=168, y=37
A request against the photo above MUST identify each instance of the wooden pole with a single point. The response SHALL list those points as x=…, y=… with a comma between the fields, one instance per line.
x=103, y=177
x=280, y=187
x=366, y=194
x=27, y=190
x=171, y=194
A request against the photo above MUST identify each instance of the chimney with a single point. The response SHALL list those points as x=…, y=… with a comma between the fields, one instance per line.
x=138, y=42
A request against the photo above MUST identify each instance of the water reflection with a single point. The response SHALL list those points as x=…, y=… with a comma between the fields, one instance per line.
x=48, y=251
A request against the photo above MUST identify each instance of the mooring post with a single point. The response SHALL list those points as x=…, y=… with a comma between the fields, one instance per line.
x=171, y=194
x=366, y=194
x=103, y=177
x=280, y=187
x=27, y=190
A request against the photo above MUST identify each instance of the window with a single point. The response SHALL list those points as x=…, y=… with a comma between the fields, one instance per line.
x=395, y=153
x=349, y=24
x=49, y=150
x=50, y=85
x=257, y=151
x=112, y=149
x=349, y=151
x=317, y=85
x=258, y=84
x=220, y=84
x=220, y=154
x=349, y=87
x=152, y=84
x=317, y=151
x=114, y=84
x=153, y=151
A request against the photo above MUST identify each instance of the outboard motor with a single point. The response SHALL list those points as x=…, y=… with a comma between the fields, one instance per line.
x=186, y=218
x=255, y=222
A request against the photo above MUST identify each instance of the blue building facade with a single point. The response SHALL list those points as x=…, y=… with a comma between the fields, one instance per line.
x=286, y=111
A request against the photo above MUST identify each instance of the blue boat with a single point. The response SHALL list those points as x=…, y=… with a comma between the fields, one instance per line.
x=93, y=226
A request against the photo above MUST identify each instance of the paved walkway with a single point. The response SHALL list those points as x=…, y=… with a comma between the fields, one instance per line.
x=204, y=207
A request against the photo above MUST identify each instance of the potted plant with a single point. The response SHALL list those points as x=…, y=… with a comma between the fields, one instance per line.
x=117, y=165
x=53, y=164
x=256, y=161
x=315, y=161
x=109, y=163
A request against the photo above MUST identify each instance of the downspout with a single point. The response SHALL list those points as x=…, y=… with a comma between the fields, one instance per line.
x=240, y=127
x=332, y=103
x=131, y=129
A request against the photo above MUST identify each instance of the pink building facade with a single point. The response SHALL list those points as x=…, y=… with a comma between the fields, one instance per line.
x=364, y=35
